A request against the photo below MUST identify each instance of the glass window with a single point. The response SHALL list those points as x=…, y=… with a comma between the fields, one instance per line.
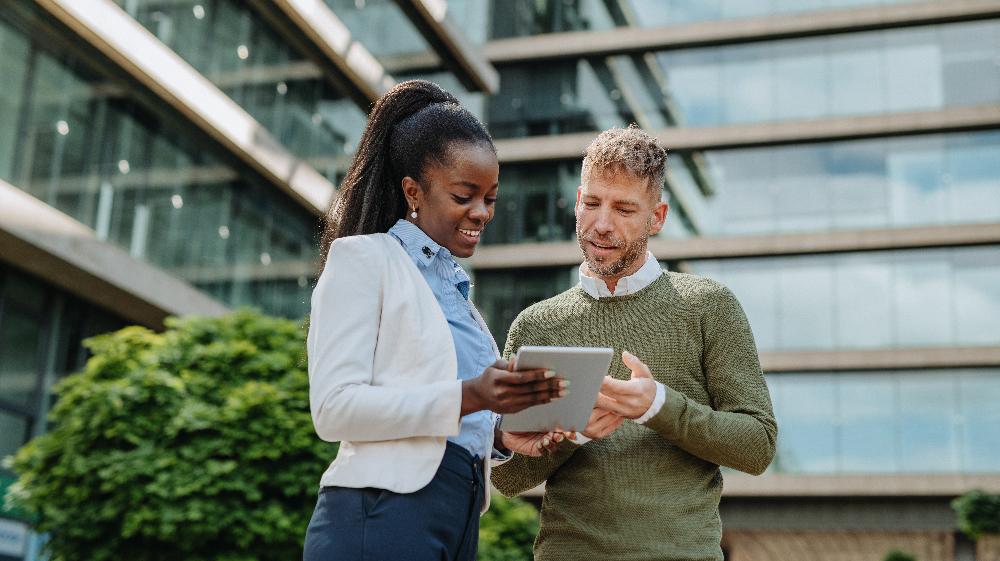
x=863, y=73
x=927, y=413
x=516, y=18
x=501, y=294
x=21, y=345
x=887, y=421
x=980, y=417
x=257, y=67
x=141, y=182
x=885, y=299
x=894, y=182
x=866, y=421
x=13, y=432
x=806, y=304
x=806, y=419
x=863, y=302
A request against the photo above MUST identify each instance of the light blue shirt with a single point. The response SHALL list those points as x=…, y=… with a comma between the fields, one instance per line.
x=473, y=345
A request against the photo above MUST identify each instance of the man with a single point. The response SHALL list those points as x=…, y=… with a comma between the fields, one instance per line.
x=688, y=384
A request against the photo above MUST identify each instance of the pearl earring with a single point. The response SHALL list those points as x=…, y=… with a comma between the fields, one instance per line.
x=413, y=214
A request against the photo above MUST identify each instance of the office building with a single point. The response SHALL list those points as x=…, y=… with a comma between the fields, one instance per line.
x=835, y=162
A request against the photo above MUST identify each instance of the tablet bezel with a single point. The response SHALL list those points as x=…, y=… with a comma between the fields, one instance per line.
x=584, y=367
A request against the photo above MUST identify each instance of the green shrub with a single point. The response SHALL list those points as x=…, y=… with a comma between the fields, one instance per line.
x=978, y=513
x=897, y=555
x=507, y=530
x=191, y=444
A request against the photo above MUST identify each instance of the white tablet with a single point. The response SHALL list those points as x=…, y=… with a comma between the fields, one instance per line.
x=584, y=367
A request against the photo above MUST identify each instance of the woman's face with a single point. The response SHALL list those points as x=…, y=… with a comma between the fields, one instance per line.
x=455, y=200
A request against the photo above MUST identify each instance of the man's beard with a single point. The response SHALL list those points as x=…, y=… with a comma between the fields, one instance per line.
x=633, y=250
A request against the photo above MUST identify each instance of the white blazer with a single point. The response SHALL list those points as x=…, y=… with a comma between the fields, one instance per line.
x=383, y=375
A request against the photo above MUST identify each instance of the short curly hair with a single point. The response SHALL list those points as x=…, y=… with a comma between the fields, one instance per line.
x=630, y=150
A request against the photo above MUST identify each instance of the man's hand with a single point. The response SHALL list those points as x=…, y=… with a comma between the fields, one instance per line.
x=602, y=423
x=631, y=398
x=533, y=443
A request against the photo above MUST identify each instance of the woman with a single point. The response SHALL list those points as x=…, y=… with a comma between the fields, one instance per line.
x=403, y=371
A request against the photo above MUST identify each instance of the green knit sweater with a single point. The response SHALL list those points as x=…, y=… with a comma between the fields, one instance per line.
x=650, y=492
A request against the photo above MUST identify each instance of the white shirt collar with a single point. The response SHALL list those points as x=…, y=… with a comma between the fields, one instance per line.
x=649, y=272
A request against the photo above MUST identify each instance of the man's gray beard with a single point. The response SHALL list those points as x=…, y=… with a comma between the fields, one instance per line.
x=632, y=252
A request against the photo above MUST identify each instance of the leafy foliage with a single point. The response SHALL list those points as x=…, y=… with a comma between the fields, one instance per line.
x=978, y=513
x=507, y=530
x=193, y=444
x=897, y=555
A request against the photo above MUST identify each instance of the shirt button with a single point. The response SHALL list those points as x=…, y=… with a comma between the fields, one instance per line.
x=428, y=252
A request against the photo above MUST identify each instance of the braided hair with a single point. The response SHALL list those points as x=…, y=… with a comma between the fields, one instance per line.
x=414, y=123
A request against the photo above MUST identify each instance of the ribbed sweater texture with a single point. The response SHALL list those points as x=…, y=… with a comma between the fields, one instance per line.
x=650, y=492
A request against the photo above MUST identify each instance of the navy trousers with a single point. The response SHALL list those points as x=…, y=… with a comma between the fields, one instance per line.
x=437, y=523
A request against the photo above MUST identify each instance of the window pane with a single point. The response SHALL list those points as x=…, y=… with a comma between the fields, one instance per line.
x=20, y=355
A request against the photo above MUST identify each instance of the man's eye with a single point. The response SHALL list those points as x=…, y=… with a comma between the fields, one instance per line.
x=590, y=205
x=626, y=212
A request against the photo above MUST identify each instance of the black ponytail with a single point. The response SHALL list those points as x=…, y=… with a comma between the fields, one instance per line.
x=414, y=122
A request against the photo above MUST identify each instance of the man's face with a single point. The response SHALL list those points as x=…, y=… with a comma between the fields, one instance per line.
x=615, y=215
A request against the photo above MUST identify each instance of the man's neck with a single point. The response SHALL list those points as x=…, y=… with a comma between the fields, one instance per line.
x=612, y=281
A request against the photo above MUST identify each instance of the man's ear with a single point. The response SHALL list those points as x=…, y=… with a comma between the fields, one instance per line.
x=659, y=218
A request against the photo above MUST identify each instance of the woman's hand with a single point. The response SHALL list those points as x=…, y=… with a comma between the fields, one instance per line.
x=502, y=391
x=533, y=443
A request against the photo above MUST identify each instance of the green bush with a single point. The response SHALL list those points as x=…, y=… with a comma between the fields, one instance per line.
x=507, y=530
x=897, y=555
x=191, y=444
x=978, y=513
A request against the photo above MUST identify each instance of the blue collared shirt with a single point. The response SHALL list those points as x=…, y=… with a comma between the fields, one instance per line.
x=473, y=345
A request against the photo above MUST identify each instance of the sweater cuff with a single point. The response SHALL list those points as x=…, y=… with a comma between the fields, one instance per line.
x=654, y=408
x=668, y=419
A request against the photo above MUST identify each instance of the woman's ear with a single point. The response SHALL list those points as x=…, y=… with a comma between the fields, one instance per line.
x=413, y=193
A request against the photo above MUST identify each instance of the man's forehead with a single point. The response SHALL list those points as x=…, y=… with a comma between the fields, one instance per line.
x=624, y=186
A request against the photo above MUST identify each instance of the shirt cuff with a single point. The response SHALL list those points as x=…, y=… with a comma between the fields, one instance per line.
x=497, y=455
x=654, y=408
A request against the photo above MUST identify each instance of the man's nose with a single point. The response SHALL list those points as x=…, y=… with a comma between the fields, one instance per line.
x=603, y=224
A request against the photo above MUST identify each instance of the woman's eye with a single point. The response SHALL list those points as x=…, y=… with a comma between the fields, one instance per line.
x=461, y=200
x=491, y=201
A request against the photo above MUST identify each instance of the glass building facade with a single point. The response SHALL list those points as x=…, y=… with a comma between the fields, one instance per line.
x=79, y=134
x=78, y=140
x=865, y=73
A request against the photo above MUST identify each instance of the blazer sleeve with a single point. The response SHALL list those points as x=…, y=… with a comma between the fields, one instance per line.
x=343, y=329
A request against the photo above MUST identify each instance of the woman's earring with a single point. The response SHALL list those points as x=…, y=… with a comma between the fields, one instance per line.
x=413, y=214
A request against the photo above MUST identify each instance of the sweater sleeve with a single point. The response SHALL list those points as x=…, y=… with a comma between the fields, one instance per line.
x=738, y=430
x=522, y=473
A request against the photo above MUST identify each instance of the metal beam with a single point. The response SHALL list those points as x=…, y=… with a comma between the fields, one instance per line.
x=314, y=29
x=126, y=44
x=554, y=254
x=430, y=17
x=684, y=139
x=867, y=485
x=880, y=359
x=49, y=244
x=741, y=486
x=624, y=40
